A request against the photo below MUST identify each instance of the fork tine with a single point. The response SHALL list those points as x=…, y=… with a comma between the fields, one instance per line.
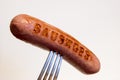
x=45, y=65
x=54, y=67
x=50, y=65
x=58, y=69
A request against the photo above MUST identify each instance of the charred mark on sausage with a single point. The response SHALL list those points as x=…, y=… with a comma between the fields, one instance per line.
x=68, y=43
x=81, y=51
x=37, y=28
x=61, y=39
x=53, y=35
x=87, y=56
x=75, y=47
x=45, y=32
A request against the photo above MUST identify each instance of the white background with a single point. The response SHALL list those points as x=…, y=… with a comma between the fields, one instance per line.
x=95, y=23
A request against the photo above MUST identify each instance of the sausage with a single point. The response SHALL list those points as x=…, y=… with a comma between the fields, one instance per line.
x=44, y=35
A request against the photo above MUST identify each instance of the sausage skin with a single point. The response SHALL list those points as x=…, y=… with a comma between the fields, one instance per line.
x=42, y=34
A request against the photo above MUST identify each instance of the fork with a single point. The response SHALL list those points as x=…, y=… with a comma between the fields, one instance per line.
x=51, y=67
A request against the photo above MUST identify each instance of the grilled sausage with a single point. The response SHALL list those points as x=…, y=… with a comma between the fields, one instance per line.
x=47, y=36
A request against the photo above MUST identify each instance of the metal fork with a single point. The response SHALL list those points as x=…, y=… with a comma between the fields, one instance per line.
x=51, y=67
